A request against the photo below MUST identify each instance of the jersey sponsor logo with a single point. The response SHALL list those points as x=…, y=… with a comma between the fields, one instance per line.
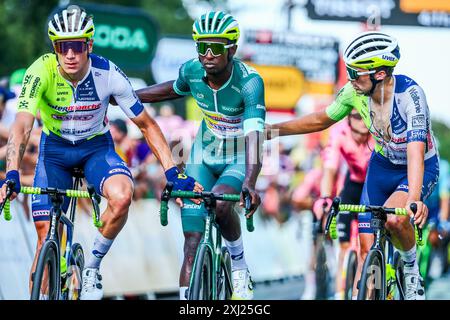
x=200, y=95
x=118, y=170
x=222, y=119
x=88, y=107
x=416, y=99
x=86, y=91
x=122, y=73
x=97, y=74
x=191, y=206
x=62, y=93
x=417, y=135
x=231, y=109
x=364, y=225
x=195, y=80
x=418, y=121
x=73, y=117
x=35, y=87
x=40, y=213
x=398, y=139
x=26, y=82
x=202, y=104
x=72, y=131
x=22, y=105
x=222, y=127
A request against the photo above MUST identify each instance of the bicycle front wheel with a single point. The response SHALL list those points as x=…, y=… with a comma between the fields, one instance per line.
x=201, y=282
x=46, y=278
x=372, y=285
x=224, y=277
x=350, y=265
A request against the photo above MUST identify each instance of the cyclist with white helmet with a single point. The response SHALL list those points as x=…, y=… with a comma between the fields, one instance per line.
x=71, y=89
x=226, y=155
x=404, y=165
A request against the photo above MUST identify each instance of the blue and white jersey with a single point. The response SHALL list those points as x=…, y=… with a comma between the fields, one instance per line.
x=76, y=113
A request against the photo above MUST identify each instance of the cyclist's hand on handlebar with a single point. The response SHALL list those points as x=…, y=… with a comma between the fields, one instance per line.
x=12, y=175
x=420, y=217
x=183, y=182
x=255, y=200
x=320, y=206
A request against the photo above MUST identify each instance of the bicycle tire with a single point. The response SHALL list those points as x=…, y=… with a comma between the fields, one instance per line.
x=224, y=276
x=48, y=257
x=372, y=286
x=351, y=266
x=201, y=288
x=321, y=270
x=74, y=272
x=399, y=276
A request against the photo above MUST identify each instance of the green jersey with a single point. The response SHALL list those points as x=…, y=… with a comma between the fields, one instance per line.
x=233, y=110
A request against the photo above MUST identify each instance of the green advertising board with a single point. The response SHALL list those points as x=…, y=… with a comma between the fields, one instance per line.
x=125, y=35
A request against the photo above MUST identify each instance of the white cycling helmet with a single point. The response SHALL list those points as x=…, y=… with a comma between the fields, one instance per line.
x=371, y=50
x=71, y=23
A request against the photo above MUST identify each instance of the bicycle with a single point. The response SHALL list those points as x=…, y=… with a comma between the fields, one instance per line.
x=211, y=277
x=50, y=280
x=382, y=273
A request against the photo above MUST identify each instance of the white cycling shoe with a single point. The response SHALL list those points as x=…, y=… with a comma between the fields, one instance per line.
x=242, y=285
x=415, y=289
x=92, y=287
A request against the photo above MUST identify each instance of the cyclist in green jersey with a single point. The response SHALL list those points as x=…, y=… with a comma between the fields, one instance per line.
x=71, y=89
x=404, y=166
x=226, y=155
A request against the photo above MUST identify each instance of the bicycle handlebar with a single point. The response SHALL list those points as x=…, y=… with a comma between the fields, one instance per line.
x=91, y=194
x=168, y=193
x=337, y=206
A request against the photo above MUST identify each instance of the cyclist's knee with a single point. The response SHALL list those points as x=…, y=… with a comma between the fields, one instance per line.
x=223, y=209
x=119, y=203
x=397, y=224
x=191, y=241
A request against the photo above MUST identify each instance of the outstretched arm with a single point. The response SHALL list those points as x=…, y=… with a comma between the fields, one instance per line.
x=313, y=122
x=158, y=92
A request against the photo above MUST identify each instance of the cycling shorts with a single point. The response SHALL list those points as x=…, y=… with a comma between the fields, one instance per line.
x=384, y=178
x=57, y=158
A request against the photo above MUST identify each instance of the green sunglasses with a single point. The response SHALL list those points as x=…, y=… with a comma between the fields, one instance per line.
x=216, y=48
x=353, y=74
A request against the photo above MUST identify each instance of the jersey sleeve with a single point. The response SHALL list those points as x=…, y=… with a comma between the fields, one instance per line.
x=181, y=85
x=124, y=94
x=342, y=104
x=417, y=115
x=34, y=85
x=255, y=108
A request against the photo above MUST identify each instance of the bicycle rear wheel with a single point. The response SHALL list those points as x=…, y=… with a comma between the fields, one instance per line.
x=372, y=285
x=46, y=278
x=224, y=277
x=74, y=273
x=350, y=265
x=201, y=283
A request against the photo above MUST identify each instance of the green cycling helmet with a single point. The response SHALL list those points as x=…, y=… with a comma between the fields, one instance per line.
x=216, y=25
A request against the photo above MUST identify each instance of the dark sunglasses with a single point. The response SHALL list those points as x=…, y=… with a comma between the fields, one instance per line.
x=353, y=74
x=216, y=48
x=62, y=47
x=355, y=116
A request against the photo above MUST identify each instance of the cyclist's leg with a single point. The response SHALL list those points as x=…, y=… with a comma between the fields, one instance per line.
x=50, y=171
x=112, y=179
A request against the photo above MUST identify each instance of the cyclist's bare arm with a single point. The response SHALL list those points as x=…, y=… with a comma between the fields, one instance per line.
x=415, y=156
x=327, y=182
x=155, y=139
x=253, y=163
x=313, y=122
x=158, y=92
x=17, y=143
